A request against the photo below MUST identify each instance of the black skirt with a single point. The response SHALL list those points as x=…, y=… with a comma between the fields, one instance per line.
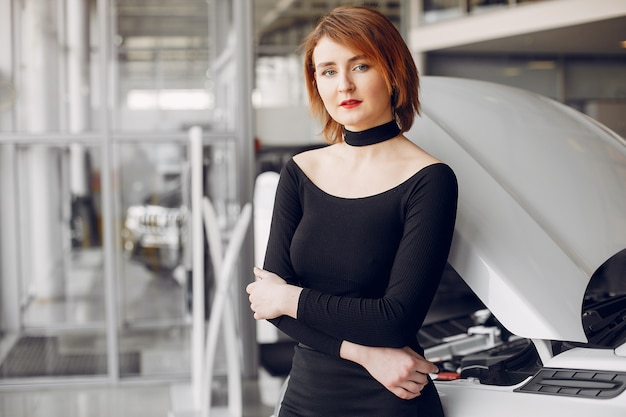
x=324, y=386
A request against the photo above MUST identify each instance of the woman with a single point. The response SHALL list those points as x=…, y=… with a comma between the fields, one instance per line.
x=360, y=232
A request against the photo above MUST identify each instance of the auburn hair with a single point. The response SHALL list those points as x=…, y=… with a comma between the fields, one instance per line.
x=369, y=32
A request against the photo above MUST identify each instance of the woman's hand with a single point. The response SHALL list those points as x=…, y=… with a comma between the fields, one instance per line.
x=402, y=371
x=270, y=296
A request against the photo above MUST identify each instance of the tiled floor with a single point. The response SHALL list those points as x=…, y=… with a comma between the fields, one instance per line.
x=122, y=401
x=155, y=324
x=128, y=400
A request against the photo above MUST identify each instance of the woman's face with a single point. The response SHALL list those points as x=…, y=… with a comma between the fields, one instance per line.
x=353, y=91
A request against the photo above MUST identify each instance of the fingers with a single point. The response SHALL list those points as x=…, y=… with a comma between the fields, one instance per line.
x=403, y=394
x=422, y=365
x=255, y=309
x=250, y=290
x=259, y=273
x=408, y=390
x=256, y=292
x=411, y=385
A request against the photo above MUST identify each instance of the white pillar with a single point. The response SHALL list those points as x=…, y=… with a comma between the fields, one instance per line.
x=7, y=88
x=40, y=113
x=9, y=292
x=78, y=85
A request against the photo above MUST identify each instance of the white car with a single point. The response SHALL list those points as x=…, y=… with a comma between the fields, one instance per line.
x=540, y=238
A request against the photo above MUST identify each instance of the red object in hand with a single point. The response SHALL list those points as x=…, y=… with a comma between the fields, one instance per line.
x=448, y=376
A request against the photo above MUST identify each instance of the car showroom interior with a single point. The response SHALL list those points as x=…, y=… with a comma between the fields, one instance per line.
x=141, y=147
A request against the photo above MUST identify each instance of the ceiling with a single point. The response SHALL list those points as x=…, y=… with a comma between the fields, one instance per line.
x=280, y=26
x=595, y=38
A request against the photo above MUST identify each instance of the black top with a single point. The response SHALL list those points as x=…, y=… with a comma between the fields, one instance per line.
x=369, y=266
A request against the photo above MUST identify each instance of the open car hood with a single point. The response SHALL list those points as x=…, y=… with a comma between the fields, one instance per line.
x=542, y=199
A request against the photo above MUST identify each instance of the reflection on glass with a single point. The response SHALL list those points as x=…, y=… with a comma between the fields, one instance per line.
x=430, y=5
x=437, y=10
x=159, y=80
x=477, y=6
x=47, y=66
x=60, y=328
x=174, y=99
x=152, y=278
x=154, y=269
x=163, y=81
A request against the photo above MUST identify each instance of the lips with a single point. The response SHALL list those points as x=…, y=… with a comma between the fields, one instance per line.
x=349, y=104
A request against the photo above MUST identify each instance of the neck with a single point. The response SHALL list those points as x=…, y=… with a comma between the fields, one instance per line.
x=372, y=136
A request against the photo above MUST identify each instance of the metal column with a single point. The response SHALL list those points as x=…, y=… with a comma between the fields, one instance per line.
x=245, y=163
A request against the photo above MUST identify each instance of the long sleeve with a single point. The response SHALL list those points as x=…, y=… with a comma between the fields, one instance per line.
x=286, y=215
x=368, y=267
x=393, y=319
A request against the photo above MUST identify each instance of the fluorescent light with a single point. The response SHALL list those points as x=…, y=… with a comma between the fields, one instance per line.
x=190, y=99
x=541, y=65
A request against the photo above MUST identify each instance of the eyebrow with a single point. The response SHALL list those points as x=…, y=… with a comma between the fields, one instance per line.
x=330, y=63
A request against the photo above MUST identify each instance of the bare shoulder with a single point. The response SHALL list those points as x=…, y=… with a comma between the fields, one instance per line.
x=414, y=156
x=363, y=172
x=312, y=160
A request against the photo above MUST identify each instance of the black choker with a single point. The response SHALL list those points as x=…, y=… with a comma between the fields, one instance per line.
x=371, y=136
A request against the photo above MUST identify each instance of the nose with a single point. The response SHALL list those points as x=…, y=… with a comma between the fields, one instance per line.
x=345, y=83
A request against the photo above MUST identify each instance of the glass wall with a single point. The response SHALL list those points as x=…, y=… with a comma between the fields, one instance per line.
x=56, y=326
x=153, y=318
x=96, y=100
x=595, y=85
x=53, y=317
x=542, y=76
x=153, y=258
x=161, y=51
x=438, y=10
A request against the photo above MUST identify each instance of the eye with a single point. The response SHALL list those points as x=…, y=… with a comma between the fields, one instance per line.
x=328, y=72
x=361, y=67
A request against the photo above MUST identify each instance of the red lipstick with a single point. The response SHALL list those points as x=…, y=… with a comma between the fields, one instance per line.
x=350, y=103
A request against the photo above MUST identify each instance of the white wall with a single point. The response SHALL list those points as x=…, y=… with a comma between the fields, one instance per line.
x=291, y=125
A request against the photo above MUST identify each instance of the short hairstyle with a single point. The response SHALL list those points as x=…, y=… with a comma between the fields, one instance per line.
x=367, y=31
